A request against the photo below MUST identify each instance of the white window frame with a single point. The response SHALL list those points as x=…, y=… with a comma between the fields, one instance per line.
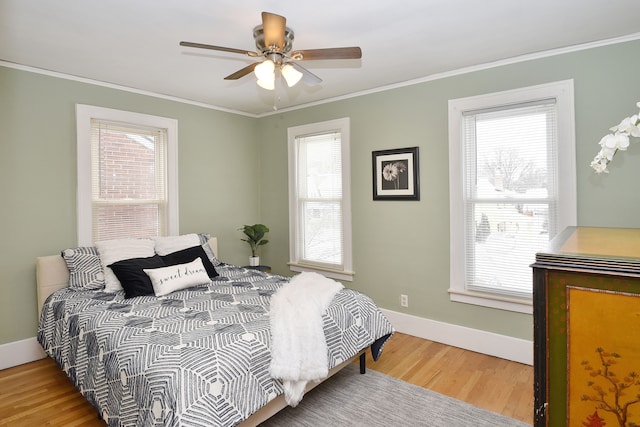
x=84, y=115
x=562, y=92
x=295, y=263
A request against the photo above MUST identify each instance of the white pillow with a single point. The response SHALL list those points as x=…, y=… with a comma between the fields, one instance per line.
x=169, y=244
x=111, y=251
x=169, y=279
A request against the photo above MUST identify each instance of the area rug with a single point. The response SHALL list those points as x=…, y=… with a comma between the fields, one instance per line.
x=375, y=399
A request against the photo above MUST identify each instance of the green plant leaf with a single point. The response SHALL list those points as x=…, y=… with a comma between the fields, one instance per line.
x=254, y=234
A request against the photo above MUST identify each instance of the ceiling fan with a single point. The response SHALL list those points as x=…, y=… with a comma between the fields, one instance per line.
x=274, y=41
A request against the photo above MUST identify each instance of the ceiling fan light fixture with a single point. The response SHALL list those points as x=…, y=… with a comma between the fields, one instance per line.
x=290, y=74
x=266, y=74
x=267, y=84
x=274, y=42
x=265, y=70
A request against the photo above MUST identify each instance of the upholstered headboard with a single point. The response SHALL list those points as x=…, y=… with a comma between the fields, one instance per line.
x=52, y=273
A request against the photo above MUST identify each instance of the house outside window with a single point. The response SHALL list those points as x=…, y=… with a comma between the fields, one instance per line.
x=319, y=199
x=126, y=175
x=512, y=189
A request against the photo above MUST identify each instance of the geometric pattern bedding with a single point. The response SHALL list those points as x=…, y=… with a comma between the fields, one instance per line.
x=196, y=357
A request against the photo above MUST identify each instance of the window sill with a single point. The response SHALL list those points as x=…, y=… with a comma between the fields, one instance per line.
x=328, y=272
x=492, y=301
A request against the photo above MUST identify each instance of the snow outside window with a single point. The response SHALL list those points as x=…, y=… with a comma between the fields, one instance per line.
x=512, y=189
x=319, y=199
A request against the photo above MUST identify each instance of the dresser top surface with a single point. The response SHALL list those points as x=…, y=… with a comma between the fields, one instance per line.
x=606, y=242
x=590, y=246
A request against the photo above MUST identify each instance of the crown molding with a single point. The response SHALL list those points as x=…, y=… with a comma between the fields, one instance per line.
x=432, y=77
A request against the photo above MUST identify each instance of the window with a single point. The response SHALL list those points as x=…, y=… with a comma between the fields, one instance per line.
x=127, y=175
x=319, y=199
x=512, y=188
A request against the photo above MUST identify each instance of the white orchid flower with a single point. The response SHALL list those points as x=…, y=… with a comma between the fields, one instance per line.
x=629, y=126
x=608, y=141
x=599, y=163
x=618, y=140
x=634, y=128
x=613, y=142
x=608, y=152
x=600, y=166
x=622, y=141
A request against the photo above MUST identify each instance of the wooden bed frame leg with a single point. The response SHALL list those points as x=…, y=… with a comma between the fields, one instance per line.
x=363, y=363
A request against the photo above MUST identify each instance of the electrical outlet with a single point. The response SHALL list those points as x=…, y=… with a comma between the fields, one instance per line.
x=404, y=300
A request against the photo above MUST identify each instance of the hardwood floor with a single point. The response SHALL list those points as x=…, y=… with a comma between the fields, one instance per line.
x=487, y=382
x=39, y=393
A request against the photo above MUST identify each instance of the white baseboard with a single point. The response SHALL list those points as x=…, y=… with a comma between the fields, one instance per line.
x=502, y=346
x=20, y=352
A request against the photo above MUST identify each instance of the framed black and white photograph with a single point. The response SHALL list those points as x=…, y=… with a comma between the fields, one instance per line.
x=395, y=174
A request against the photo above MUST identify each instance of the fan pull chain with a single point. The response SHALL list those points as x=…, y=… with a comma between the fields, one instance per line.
x=277, y=92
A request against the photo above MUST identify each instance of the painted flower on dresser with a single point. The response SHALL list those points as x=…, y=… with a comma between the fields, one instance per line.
x=392, y=171
x=618, y=139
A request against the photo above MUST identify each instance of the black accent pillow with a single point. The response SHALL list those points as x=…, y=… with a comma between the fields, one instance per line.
x=187, y=255
x=130, y=273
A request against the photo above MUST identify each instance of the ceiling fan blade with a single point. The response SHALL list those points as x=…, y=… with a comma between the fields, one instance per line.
x=223, y=49
x=273, y=27
x=242, y=72
x=307, y=76
x=330, y=53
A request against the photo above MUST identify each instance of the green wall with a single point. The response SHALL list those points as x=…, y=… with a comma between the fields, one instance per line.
x=403, y=247
x=233, y=170
x=219, y=164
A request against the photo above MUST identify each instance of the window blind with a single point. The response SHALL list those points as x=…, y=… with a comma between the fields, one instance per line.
x=319, y=199
x=128, y=180
x=510, y=193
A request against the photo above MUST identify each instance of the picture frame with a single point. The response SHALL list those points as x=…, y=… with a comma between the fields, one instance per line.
x=396, y=174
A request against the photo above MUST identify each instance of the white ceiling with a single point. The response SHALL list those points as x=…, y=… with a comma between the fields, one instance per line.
x=134, y=43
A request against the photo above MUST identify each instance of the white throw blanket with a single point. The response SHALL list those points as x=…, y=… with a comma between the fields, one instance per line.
x=299, y=348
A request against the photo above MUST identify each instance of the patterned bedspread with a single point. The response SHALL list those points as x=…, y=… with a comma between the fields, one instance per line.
x=197, y=357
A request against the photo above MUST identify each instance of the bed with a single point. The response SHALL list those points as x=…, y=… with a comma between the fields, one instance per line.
x=197, y=356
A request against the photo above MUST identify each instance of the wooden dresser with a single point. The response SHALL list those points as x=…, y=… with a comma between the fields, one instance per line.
x=586, y=296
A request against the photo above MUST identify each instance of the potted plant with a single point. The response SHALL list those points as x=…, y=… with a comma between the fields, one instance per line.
x=255, y=234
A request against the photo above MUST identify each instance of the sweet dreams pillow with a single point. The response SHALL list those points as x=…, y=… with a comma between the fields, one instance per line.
x=189, y=254
x=170, y=279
